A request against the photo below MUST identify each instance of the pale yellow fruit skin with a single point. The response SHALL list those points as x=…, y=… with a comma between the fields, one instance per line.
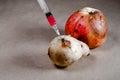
x=65, y=50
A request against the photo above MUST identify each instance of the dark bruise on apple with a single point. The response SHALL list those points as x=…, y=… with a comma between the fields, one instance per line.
x=88, y=25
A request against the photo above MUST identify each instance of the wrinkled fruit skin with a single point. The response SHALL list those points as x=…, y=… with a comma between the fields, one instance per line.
x=65, y=50
x=88, y=25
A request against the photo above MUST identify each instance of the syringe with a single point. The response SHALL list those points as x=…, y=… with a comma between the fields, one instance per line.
x=49, y=16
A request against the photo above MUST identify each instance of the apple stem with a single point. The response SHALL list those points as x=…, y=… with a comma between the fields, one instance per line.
x=93, y=12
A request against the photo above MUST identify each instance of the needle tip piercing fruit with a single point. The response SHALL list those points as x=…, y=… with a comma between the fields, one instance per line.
x=88, y=25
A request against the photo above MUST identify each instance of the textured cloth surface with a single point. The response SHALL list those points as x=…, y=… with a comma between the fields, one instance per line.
x=25, y=35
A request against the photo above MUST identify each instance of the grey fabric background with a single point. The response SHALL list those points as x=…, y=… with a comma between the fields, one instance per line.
x=25, y=36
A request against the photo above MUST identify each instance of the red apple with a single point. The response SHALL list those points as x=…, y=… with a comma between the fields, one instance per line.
x=88, y=25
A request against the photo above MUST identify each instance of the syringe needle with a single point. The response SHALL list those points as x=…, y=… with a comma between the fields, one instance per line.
x=49, y=16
